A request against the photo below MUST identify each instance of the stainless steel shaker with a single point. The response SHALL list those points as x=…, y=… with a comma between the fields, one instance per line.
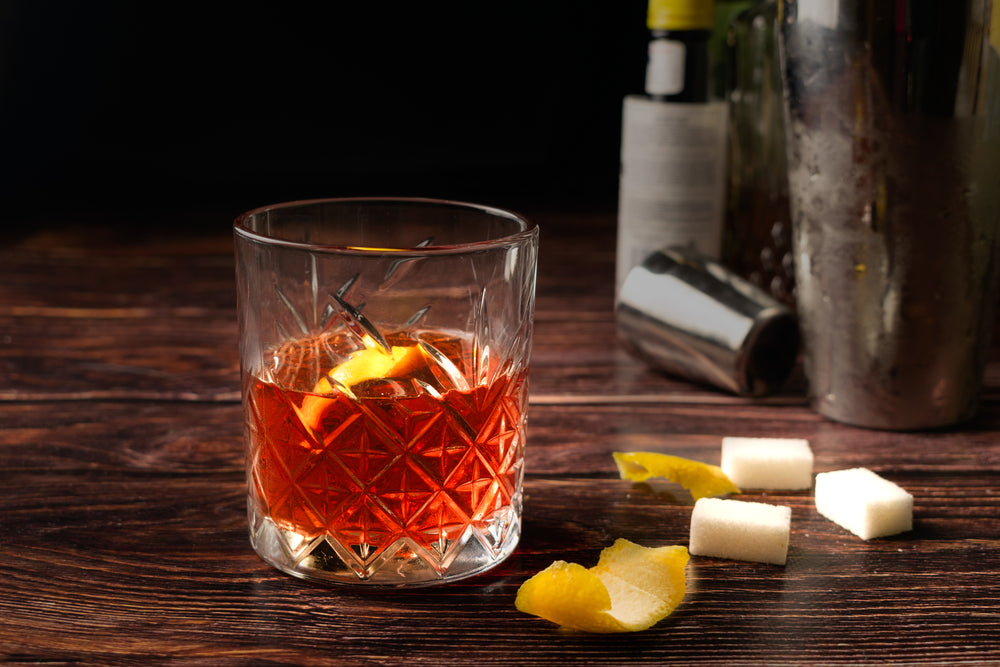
x=893, y=139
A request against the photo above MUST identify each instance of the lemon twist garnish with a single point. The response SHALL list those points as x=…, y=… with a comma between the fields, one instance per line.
x=701, y=479
x=371, y=364
x=631, y=588
x=367, y=364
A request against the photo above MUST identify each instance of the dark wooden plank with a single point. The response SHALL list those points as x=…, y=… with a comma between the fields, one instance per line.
x=91, y=314
x=192, y=352
x=154, y=353
x=193, y=590
x=88, y=313
x=124, y=536
x=563, y=440
x=92, y=268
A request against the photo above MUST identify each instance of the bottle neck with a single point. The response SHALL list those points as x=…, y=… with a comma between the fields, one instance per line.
x=677, y=69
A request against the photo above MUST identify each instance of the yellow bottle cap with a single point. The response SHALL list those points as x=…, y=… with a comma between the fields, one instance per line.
x=681, y=15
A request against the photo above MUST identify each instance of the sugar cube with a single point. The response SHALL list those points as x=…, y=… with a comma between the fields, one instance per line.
x=768, y=463
x=864, y=503
x=740, y=530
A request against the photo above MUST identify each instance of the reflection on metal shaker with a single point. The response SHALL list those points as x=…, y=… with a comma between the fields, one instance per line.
x=893, y=138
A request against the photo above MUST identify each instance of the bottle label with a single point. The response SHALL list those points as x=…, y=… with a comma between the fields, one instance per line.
x=665, y=67
x=673, y=175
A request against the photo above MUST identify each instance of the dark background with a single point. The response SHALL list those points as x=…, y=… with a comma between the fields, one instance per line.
x=131, y=111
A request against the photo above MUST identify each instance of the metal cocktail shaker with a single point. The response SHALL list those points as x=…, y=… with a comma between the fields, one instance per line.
x=893, y=139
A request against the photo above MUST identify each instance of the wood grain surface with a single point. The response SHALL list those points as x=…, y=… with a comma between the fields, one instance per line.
x=122, y=494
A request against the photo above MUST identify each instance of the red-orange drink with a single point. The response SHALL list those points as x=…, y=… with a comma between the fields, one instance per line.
x=384, y=344
x=417, y=460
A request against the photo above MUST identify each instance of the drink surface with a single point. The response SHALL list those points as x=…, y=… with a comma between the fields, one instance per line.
x=410, y=464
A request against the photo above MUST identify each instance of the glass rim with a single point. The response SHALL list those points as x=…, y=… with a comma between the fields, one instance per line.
x=528, y=228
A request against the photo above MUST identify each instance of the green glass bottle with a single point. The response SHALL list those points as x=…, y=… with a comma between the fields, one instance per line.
x=757, y=236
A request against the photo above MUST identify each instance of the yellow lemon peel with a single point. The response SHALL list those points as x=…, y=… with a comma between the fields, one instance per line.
x=701, y=479
x=361, y=366
x=372, y=364
x=632, y=588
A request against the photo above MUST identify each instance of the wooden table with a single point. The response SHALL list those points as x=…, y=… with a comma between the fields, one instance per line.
x=122, y=512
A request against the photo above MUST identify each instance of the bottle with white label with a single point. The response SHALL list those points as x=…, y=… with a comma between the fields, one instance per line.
x=673, y=150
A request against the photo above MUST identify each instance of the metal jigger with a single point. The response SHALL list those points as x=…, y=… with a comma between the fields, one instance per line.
x=691, y=317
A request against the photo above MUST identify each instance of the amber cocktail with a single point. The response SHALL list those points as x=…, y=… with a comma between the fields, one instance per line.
x=385, y=386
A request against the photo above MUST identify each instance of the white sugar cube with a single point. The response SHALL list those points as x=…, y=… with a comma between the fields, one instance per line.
x=768, y=463
x=864, y=503
x=740, y=530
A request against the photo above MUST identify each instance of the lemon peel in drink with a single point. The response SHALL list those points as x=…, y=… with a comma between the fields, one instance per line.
x=371, y=363
x=701, y=479
x=632, y=588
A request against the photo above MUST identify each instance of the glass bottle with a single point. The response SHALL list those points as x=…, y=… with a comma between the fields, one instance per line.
x=673, y=152
x=757, y=236
x=678, y=66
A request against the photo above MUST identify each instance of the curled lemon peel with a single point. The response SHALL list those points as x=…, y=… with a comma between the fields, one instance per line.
x=701, y=479
x=632, y=588
x=368, y=364
x=371, y=364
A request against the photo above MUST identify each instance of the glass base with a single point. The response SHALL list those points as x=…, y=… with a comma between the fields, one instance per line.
x=403, y=563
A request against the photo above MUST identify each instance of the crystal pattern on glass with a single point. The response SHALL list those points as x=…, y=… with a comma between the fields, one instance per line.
x=405, y=477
